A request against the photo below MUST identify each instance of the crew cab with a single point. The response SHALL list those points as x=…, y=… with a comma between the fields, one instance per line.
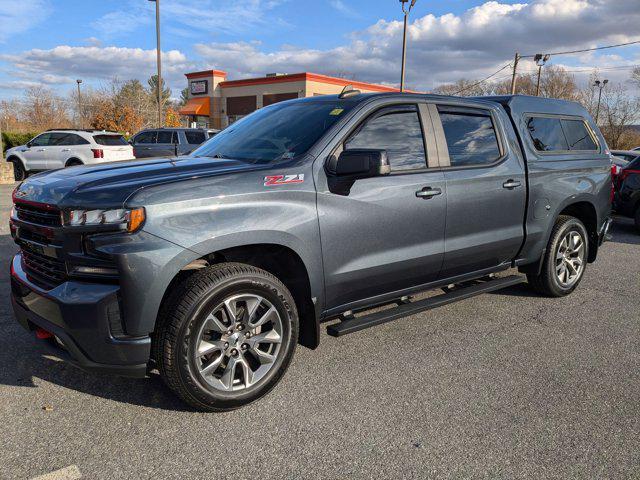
x=67, y=148
x=210, y=268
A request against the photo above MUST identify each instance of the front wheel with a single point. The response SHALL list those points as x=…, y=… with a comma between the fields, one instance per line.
x=19, y=173
x=226, y=336
x=565, y=259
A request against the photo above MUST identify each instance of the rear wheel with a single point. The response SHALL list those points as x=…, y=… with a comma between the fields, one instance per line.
x=74, y=162
x=226, y=336
x=19, y=173
x=565, y=259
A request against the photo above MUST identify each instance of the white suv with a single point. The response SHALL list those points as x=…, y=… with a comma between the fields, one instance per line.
x=64, y=148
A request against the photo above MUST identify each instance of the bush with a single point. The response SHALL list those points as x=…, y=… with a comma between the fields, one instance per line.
x=10, y=140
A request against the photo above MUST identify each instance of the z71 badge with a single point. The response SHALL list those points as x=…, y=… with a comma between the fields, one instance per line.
x=273, y=180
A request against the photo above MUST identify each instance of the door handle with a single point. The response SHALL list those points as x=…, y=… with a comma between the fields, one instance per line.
x=428, y=192
x=41, y=150
x=511, y=184
x=66, y=149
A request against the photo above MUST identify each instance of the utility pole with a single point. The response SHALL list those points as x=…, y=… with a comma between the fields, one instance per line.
x=406, y=12
x=540, y=60
x=159, y=62
x=600, y=86
x=515, y=71
x=79, y=105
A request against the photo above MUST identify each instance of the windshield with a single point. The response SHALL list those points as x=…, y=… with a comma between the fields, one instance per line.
x=278, y=132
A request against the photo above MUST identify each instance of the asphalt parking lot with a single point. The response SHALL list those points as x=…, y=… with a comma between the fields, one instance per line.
x=506, y=385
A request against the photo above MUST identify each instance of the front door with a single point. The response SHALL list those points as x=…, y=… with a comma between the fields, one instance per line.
x=486, y=191
x=36, y=154
x=385, y=234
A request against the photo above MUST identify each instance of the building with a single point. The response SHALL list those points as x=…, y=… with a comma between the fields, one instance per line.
x=215, y=102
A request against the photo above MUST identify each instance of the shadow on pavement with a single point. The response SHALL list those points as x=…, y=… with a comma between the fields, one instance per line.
x=624, y=230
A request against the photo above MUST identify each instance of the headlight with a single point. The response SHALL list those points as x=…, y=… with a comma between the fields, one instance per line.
x=130, y=220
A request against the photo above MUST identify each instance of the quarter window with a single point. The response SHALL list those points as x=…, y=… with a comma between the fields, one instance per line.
x=399, y=133
x=194, y=138
x=471, y=138
x=578, y=136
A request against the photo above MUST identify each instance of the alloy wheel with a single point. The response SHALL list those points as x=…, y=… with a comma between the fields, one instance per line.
x=238, y=342
x=570, y=258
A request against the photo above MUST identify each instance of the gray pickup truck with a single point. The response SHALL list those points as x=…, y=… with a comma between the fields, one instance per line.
x=210, y=268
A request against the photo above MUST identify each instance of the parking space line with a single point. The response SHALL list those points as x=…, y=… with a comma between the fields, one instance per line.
x=69, y=473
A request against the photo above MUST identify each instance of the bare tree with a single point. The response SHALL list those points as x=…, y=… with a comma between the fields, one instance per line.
x=41, y=109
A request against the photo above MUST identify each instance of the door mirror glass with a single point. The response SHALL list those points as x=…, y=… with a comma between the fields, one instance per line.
x=359, y=163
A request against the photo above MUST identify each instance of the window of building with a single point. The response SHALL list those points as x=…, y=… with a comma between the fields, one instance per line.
x=195, y=137
x=547, y=134
x=471, y=137
x=399, y=133
x=577, y=135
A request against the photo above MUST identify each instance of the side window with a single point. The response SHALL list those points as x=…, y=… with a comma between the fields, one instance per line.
x=547, y=134
x=194, y=137
x=397, y=132
x=578, y=135
x=164, y=136
x=146, y=137
x=471, y=138
x=72, y=139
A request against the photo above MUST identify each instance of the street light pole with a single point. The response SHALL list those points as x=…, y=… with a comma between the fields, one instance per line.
x=406, y=12
x=600, y=86
x=540, y=60
x=79, y=104
x=159, y=62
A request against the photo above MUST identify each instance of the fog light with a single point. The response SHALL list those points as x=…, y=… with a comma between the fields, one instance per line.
x=95, y=271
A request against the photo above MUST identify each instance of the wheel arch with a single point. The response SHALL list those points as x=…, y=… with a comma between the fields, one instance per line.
x=280, y=260
x=586, y=212
x=73, y=161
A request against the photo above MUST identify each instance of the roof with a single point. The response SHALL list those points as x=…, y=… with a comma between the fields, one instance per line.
x=307, y=77
x=206, y=73
x=520, y=104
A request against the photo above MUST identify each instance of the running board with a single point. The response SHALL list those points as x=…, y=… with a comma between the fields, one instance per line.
x=355, y=324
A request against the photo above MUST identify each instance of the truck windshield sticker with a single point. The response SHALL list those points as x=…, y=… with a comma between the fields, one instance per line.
x=336, y=111
x=274, y=180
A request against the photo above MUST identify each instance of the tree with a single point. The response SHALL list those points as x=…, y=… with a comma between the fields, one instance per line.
x=172, y=118
x=41, y=109
x=153, y=90
x=184, y=97
x=117, y=118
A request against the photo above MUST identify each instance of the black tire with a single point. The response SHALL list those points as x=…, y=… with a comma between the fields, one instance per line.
x=181, y=320
x=547, y=282
x=637, y=219
x=19, y=173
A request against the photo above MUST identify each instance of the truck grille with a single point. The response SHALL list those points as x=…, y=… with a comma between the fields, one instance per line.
x=44, y=270
x=49, y=217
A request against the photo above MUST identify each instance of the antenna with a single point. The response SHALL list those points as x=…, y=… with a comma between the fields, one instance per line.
x=348, y=91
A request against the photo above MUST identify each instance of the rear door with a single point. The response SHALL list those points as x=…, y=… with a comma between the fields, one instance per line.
x=486, y=189
x=165, y=144
x=384, y=235
x=67, y=146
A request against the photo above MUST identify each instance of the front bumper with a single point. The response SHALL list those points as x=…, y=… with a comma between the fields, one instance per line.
x=83, y=316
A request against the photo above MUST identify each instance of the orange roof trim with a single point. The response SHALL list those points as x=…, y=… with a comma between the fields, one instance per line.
x=197, y=106
x=311, y=77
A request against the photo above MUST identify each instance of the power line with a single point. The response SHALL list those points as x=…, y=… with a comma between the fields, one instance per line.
x=586, y=49
x=483, y=80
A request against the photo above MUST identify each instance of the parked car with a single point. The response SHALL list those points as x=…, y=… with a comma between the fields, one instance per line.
x=211, y=268
x=627, y=155
x=627, y=197
x=169, y=141
x=617, y=164
x=66, y=148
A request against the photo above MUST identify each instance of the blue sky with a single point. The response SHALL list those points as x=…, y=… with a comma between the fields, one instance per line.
x=50, y=43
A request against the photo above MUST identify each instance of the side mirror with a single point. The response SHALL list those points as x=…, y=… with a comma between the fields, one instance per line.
x=359, y=163
x=28, y=145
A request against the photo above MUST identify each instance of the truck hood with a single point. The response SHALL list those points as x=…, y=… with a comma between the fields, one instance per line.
x=108, y=185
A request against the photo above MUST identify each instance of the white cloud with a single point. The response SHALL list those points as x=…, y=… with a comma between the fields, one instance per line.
x=19, y=16
x=442, y=48
x=446, y=47
x=342, y=7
